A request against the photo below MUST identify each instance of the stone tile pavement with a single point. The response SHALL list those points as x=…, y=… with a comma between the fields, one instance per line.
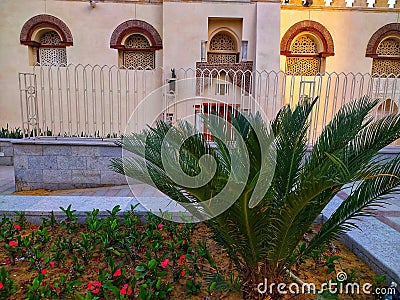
x=7, y=183
x=377, y=243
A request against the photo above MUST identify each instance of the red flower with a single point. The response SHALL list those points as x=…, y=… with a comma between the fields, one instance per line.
x=183, y=272
x=160, y=226
x=165, y=263
x=17, y=227
x=123, y=290
x=44, y=271
x=7, y=261
x=181, y=259
x=13, y=244
x=94, y=284
x=51, y=264
x=1, y=285
x=58, y=290
x=117, y=273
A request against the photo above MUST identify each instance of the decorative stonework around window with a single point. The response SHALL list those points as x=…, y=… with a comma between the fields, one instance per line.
x=50, y=38
x=138, y=59
x=385, y=66
x=306, y=45
x=236, y=74
x=306, y=66
x=305, y=60
x=136, y=42
x=222, y=49
x=217, y=58
x=47, y=38
x=389, y=47
x=49, y=56
x=384, y=49
x=52, y=57
x=222, y=41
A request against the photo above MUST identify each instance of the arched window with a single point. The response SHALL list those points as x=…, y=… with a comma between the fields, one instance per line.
x=384, y=48
x=305, y=60
x=137, y=42
x=388, y=60
x=137, y=53
x=49, y=53
x=306, y=45
x=223, y=49
x=47, y=38
x=386, y=108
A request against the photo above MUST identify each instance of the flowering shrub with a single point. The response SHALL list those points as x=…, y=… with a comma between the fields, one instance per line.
x=118, y=258
x=113, y=258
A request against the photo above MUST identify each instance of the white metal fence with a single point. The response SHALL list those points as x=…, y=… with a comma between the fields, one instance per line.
x=97, y=101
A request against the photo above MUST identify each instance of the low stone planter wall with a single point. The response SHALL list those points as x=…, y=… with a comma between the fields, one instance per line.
x=6, y=152
x=64, y=164
x=59, y=164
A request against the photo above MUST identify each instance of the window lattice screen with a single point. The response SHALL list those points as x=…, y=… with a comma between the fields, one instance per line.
x=222, y=41
x=137, y=41
x=385, y=66
x=306, y=66
x=389, y=47
x=138, y=59
x=50, y=38
x=304, y=45
x=52, y=56
x=220, y=58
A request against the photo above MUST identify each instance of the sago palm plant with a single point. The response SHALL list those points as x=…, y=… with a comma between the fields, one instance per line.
x=264, y=238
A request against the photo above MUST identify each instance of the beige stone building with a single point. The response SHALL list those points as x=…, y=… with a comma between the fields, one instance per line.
x=299, y=37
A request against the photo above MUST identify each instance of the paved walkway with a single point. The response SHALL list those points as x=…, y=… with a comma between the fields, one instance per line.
x=378, y=242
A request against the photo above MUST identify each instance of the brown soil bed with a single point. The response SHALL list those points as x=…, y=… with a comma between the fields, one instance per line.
x=23, y=273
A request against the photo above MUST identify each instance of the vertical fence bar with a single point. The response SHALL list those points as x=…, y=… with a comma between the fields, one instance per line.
x=80, y=100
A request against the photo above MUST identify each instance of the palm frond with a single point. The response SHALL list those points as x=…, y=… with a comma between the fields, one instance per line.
x=371, y=191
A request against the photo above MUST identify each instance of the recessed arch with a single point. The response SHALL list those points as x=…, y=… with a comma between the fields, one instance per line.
x=384, y=49
x=37, y=24
x=223, y=47
x=224, y=31
x=130, y=27
x=389, y=30
x=314, y=28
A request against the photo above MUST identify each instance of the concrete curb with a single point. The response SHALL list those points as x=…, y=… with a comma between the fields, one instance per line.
x=38, y=207
x=375, y=243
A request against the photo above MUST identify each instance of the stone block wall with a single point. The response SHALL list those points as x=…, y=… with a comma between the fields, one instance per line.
x=76, y=163
x=64, y=164
x=6, y=152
